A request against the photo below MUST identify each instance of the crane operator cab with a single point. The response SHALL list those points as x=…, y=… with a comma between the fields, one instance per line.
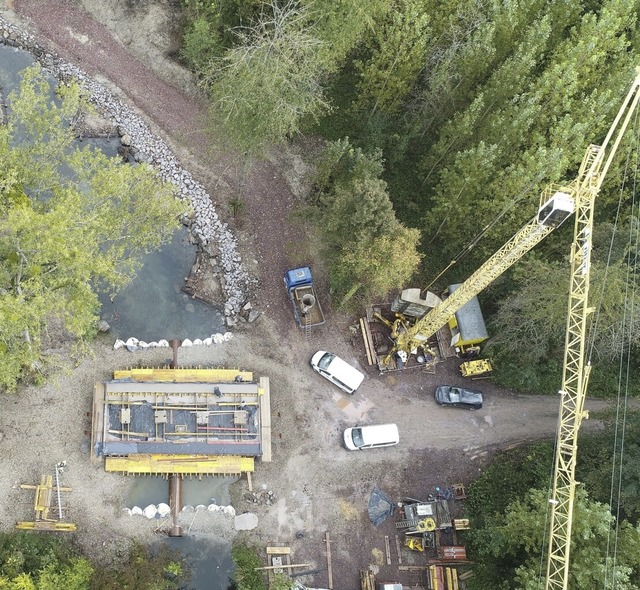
x=556, y=209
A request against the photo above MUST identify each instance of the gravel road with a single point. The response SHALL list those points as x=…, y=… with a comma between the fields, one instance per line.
x=319, y=485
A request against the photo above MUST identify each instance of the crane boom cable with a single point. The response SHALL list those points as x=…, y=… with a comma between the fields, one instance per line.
x=631, y=279
x=596, y=316
x=575, y=371
x=484, y=231
x=610, y=562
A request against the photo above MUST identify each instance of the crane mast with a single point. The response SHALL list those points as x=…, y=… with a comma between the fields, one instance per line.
x=575, y=377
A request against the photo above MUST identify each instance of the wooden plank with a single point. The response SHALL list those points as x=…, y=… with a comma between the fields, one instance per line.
x=278, y=550
x=452, y=578
x=387, y=549
x=367, y=580
x=186, y=464
x=97, y=420
x=440, y=576
x=443, y=335
x=327, y=540
x=183, y=375
x=368, y=341
x=265, y=419
x=398, y=550
x=432, y=578
x=461, y=524
x=275, y=567
x=65, y=527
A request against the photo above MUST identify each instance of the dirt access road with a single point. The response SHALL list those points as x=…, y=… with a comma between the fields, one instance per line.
x=319, y=485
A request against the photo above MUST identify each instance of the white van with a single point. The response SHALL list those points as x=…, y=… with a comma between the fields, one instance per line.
x=371, y=437
x=333, y=368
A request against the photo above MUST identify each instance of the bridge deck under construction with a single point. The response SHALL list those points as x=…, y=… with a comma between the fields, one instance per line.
x=182, y=421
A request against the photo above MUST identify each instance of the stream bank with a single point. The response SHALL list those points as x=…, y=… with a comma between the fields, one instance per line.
x=224, y=268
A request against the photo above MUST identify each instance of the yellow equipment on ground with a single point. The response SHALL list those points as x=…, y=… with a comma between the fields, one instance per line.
x=415, y=544
x=426, y=525
x=475, y=368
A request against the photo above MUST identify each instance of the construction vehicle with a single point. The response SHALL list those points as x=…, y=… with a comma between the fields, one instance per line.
x=476, y=368
x=556, y=206
x=306, y=306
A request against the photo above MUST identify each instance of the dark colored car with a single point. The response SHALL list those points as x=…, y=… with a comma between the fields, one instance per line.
x=457, y=397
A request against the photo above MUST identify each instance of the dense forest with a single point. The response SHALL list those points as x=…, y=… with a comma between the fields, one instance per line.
x=507, y=506
x=444, y=122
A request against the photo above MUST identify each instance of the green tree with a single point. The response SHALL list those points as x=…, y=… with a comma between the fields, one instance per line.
x=29, y=561
x=202, y=40
x=618, y=483
x=342, y=24
x=376, y=266
x=529, y=322
x=394, y=58
x=270, y=81
x=367, y=247
x=509, y=143
x=509, y=549
x=146, y=568
x=61, y=238
x=32, y=561
x=282, y=582
x=510, y=475
x=74, y=576
x=246, y=559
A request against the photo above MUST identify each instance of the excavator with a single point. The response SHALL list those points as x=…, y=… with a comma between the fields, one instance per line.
x=557, y=203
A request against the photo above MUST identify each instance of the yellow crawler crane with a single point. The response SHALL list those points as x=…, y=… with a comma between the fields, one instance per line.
x=556, y=205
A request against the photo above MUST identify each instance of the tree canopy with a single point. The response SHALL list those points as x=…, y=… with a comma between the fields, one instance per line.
x=369, y=251
x=474, y=106
x=521, y=536
x=33, y=561
x=507, y=508
x=72, y=221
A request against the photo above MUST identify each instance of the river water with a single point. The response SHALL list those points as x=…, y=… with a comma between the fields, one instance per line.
x=151, y=308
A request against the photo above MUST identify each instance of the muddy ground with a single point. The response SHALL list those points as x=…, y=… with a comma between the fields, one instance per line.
x=319, y=486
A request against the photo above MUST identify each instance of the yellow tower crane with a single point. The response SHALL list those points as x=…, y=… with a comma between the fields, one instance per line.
x=557, y=203
x=575, y=375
